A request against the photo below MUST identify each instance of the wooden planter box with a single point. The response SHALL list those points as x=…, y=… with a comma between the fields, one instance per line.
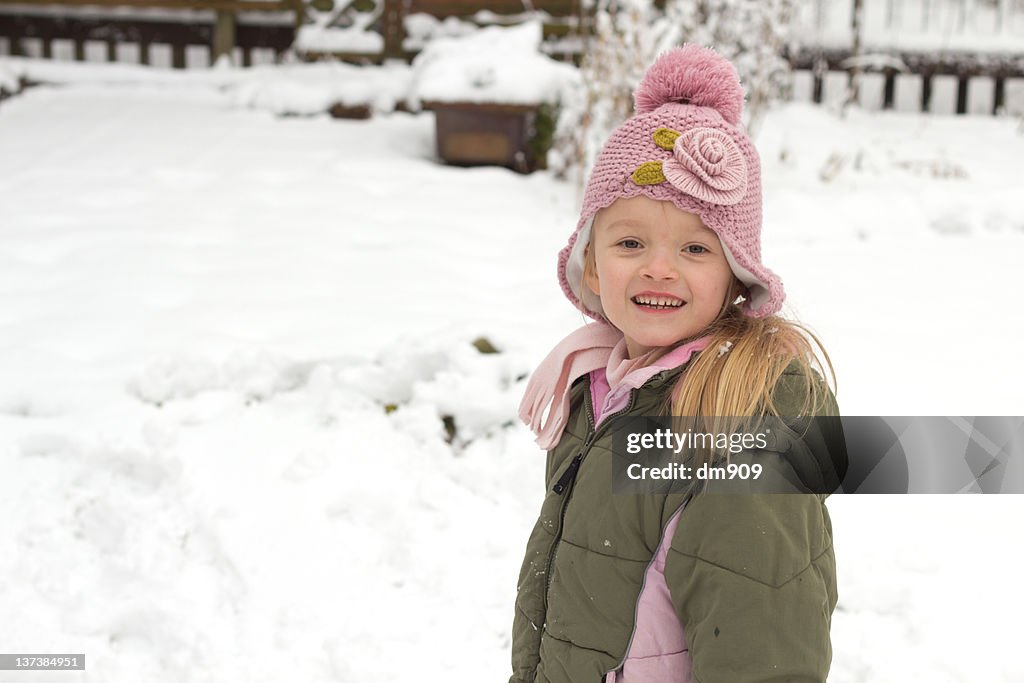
x=344, y=111
x=471, y=134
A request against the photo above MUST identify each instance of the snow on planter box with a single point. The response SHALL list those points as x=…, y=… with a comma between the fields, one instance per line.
x=343, y=90
x=493, y=94
x=12, y=78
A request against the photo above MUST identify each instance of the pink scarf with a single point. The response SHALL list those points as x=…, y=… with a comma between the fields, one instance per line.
x=586, y=349
x=593, y=346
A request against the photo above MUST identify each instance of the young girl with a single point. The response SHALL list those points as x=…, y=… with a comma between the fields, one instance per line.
x=666, y=258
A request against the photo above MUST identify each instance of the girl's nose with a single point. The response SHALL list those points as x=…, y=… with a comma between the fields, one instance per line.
x=660, y=265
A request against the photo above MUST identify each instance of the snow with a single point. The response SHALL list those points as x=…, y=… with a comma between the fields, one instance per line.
x=321, y=33
x=230, y=340
x=494, y=64
x=328, y=39
x=288, y=89
x=914, y=25
x=313, y=88
x=422, y=28
x=9, y=81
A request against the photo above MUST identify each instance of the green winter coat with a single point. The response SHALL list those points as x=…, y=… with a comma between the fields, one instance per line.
x=752, y=577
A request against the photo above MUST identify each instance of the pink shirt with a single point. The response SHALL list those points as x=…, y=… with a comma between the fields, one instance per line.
x=610, y=386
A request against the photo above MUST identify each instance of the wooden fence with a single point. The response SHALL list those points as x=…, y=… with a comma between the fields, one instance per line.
x=921, y=69
x=33, y=27
x=938, y=79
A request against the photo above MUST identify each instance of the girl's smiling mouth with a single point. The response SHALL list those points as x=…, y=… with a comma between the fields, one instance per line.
x=657, y=301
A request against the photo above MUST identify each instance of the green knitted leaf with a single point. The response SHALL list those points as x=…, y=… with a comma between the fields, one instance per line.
x=649, y=173
x=665, y=138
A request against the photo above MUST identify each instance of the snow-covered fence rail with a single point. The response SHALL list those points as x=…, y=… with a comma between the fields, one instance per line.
x=960, y=56
x=562, y=19
x=915, y=25
x=969, y=82
x=95, y=30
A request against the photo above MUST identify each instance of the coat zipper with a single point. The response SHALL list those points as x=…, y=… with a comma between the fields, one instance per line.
x=564, y=485
x=569, y=475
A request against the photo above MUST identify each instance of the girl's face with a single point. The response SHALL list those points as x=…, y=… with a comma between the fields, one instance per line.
x=661, y=275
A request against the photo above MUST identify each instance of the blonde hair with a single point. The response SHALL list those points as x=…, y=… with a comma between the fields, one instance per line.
x=732, y=381
x=737, y=372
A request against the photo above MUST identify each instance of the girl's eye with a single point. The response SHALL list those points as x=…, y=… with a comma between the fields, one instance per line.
x=630, y=244
x=696, y=249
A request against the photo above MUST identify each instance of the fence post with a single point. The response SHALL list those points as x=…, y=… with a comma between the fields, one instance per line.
x=223, y=35
x=819, y=69
x=394, y=29
x=889, y=96
x=961, y=93
x=857, y=25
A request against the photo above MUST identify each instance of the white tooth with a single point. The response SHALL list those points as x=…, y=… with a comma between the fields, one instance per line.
x=658, y=301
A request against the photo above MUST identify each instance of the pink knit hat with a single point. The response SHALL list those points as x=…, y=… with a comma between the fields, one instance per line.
x=686, y=145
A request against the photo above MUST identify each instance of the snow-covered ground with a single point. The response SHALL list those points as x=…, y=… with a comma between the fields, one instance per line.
x=229, y=341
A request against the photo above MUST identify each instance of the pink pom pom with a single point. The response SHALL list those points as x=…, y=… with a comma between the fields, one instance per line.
x=692, y=75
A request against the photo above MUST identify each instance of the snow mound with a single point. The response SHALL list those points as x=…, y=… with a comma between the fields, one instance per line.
x=307, y=89
x=232, y=526
x=9, y=79
x=492, y=65
x=430, y=387
x=282, y=89
x=255, y=375
x=441, y=387
x=422, y=28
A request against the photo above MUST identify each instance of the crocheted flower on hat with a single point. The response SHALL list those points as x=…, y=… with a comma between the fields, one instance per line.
x=706, y=163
